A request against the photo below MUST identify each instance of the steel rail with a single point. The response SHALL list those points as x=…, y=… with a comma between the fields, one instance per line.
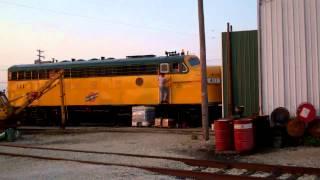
x=164, y=171
x=274, y=169
x=142, y=130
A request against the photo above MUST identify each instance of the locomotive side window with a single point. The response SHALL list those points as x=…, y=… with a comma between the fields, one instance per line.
x=164, y=68
x=102, y=71
x=108, y=71
x=43, y=74
x=14, y=76
x=21, y=75
x=114, y=71
x=34, y=75
x=84, y=72
x=67, y=73
x=194, y=61
x=75, y=73
x=27, y=75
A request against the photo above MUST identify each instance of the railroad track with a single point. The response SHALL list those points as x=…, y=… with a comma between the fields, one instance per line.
x=199, y=171
x=31, y=130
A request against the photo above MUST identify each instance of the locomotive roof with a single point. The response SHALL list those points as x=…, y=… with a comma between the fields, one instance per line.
x=97, y=63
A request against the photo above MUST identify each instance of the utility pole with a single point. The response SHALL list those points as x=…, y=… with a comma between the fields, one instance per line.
x=204, y=90
x=38, y=61
x=62, y=96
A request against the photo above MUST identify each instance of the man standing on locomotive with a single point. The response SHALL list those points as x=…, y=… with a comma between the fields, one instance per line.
x=164, y=89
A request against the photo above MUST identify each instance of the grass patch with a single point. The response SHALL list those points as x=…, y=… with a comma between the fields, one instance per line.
x=312, y=141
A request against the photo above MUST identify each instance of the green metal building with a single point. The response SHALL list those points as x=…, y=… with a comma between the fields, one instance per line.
x=245, y=77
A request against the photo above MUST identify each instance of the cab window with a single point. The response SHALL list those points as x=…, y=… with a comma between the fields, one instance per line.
x=178, y=68
x=175, y=68
x=184, y=68
x=164, y=68
x=194, y=61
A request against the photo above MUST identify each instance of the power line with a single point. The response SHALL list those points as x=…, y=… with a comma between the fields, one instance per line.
x=97, y=19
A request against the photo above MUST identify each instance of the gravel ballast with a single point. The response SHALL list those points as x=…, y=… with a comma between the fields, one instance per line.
x=182, y=145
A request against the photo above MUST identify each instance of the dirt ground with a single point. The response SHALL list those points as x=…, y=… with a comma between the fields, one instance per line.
x=187, y=145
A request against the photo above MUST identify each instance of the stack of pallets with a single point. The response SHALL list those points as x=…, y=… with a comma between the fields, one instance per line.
x=143, y=116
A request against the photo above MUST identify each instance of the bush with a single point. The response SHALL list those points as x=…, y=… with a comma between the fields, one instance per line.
x=312, y=141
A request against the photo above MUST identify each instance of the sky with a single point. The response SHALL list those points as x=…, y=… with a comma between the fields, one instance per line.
x=114, y=28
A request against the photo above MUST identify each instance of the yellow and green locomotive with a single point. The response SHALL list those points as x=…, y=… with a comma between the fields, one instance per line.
x=105, y=89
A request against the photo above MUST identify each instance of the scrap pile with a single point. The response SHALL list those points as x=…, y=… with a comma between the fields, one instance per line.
x=247, y=135
x=304, y=128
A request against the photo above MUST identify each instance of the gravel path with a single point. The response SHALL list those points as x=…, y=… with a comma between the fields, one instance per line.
x=175, y=145
x=135, y=143
x=135, y=161
x=26, y=168
x=293, y=156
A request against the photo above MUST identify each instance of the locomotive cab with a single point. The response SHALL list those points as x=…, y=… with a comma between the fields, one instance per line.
x=185, y=78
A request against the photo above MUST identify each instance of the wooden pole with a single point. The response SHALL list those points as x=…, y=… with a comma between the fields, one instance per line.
x=63, y=113
x=204, y=90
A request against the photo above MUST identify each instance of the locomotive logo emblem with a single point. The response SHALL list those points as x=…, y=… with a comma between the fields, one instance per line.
x=91, y=97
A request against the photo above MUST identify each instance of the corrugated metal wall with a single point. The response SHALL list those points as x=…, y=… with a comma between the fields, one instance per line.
x=290, y=53
x=244, y=49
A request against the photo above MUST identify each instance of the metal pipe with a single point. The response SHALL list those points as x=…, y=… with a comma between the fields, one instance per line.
x=229, y=72
x=259, y=56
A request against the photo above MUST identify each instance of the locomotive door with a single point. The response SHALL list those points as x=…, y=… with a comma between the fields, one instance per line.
x=170, y=89
x=176, y=74
x=165, y=69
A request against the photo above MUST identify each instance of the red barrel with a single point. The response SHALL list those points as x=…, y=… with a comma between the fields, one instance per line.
x=296, y=128
x=306, y=112
x=243, y=135
x=314, y=128
x=223, y=132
